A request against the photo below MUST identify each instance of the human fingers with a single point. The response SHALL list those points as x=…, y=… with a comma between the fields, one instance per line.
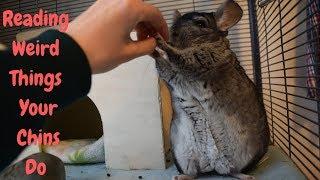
x=153, y=20
x=139, y=48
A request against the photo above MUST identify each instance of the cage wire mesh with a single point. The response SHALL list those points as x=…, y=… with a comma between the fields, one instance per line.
x=288, y=39
x=277, y=43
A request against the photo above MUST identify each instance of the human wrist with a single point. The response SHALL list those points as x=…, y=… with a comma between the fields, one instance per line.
x=75, y=34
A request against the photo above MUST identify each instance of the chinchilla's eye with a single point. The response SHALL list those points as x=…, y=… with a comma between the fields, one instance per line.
x=201, y=24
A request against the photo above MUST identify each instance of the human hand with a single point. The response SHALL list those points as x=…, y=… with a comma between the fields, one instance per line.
x=103, y=32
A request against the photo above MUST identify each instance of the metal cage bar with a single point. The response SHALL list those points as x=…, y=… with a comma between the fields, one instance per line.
x=281, y=33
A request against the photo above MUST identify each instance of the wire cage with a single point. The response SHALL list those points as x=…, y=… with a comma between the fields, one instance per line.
x=277, y=43
x=286, y=68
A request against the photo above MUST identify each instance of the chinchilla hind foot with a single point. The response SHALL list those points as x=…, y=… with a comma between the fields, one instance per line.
x=243, y=176
x=182, y=177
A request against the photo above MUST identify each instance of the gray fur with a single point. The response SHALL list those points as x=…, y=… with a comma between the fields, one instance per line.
x=219, y=120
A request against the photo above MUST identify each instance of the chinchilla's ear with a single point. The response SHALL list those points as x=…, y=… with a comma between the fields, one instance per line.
x=228, y=15
x=176, y=16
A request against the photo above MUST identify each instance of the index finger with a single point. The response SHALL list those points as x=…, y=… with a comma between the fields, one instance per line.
x=153, y=16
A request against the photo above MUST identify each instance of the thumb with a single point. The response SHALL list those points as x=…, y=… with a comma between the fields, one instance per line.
x=140, y=48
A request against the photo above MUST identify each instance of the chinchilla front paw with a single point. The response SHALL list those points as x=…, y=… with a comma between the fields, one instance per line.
x=163, y=45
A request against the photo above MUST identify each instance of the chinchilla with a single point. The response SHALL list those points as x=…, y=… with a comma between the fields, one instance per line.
x=220, y=124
